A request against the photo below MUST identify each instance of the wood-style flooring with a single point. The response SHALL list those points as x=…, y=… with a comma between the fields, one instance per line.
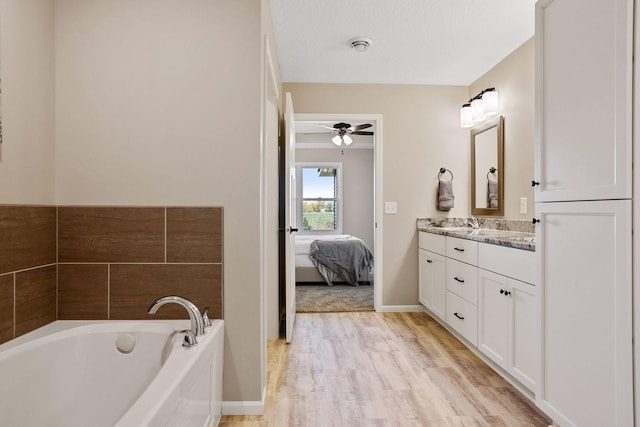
x=383, y=369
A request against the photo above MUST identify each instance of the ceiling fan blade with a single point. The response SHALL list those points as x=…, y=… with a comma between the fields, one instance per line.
x=362, y=126
x=327, y=127
x=362, y=133
x=317, y=133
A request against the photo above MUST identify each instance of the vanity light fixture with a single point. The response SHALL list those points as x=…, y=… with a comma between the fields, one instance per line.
x=481, y=107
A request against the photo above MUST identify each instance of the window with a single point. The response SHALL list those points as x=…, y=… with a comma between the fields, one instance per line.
x=319, y=202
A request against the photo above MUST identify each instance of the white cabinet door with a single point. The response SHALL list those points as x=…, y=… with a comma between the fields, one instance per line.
x=523, y=338
x=493, y=318
x=432, y=285
x=583, y=99
x=584, y=251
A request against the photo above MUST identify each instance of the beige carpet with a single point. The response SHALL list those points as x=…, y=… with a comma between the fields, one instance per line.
x=336, y=298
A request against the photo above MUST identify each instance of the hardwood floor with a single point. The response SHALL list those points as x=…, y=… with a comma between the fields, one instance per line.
x=383, y=369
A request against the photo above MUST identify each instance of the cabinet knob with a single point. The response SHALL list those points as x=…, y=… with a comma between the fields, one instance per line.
x=507, y=293
x=458, y=316
x=502, y=291
x=535, y=221
x=534, y=183
x=429, y=261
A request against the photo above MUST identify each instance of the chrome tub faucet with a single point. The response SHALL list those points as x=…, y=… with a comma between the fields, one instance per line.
x=197, y=322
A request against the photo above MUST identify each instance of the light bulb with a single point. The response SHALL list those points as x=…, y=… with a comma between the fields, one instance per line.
x=336, y=140
x=347, y=140
x=466, y=116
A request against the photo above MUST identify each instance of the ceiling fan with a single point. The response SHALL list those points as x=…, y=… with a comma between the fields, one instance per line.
x=343, y=130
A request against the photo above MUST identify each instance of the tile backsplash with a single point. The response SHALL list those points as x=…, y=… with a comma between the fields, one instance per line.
x=106, y=263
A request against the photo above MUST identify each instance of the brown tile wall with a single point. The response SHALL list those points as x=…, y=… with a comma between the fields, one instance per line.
x=27, y=269
x=106, y=263
x=114, y=262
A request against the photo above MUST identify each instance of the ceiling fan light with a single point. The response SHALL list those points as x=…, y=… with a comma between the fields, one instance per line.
x=347, y=140
x=336, y=140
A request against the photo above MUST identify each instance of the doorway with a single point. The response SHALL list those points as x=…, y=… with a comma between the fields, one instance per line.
x=318, y=149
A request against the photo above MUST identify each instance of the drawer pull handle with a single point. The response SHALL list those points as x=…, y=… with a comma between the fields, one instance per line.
x=429, y=261
x=458, y=316
x=459, y=250
x=458, y=280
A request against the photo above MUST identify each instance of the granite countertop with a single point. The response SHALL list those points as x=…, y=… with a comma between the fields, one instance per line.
x=518, y=234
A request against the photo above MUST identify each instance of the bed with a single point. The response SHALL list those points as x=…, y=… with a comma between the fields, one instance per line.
x=332, y=258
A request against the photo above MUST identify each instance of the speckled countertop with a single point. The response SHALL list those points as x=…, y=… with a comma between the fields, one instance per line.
x=513, y=233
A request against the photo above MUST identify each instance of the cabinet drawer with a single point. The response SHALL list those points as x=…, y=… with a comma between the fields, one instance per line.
x=463, y=317
x=515, y=263
x=462, y=279
x=432, y=242
x=462, y=250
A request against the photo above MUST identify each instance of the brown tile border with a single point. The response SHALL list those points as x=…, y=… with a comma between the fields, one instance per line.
x=194, y=235
x=111, y=234
x=6, y=308
x=135, y=287
x=35, y=299
x=28, y=237
x=83, y=291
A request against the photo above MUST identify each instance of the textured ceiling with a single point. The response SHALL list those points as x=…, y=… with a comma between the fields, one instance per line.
x=440, y=42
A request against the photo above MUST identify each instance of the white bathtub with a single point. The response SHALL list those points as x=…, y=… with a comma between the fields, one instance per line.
x=71, y=373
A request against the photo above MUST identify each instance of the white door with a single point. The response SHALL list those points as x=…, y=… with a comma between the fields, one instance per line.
x=584, y=251
x=290, y=217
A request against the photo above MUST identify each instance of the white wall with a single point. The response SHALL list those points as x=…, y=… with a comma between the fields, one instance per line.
x=158, y=103
x=27, y=156
x=357, y=186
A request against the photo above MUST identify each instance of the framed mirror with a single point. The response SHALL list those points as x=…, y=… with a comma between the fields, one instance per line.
x=487, y=169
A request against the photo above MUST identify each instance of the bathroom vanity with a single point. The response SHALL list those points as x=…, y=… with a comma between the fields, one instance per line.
x=480, y=284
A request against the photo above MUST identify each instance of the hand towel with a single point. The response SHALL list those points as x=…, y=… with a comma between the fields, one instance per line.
x=445, y=195
x=492, y=193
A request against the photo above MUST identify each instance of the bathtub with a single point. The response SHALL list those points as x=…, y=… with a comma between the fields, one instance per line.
x=111, y=373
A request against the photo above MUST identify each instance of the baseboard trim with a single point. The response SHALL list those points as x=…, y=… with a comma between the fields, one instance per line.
x=400, y=309
x=245, y=407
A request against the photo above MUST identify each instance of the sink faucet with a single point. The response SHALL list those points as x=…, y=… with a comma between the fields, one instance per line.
x=197, y=323
x=473, y=223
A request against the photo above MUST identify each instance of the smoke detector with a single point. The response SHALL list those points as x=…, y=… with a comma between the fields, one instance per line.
x=360, y=44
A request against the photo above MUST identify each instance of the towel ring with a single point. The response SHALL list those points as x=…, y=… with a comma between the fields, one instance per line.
x=442, y=171
x=491, y=170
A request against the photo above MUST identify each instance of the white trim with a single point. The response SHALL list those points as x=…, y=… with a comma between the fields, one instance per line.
x=400, y=309
x=245, y=407
x=376, y=119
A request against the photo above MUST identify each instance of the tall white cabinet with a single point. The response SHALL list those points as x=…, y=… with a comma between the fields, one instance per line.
x=583, y=202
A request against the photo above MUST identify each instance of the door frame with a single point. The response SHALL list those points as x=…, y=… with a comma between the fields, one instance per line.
x=376, y=119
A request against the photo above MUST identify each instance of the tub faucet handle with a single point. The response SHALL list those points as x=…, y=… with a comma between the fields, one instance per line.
x=205, y=317
x=189, y=338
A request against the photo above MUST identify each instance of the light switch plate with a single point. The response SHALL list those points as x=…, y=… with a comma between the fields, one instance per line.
x=390, y=207
x=523, y=205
